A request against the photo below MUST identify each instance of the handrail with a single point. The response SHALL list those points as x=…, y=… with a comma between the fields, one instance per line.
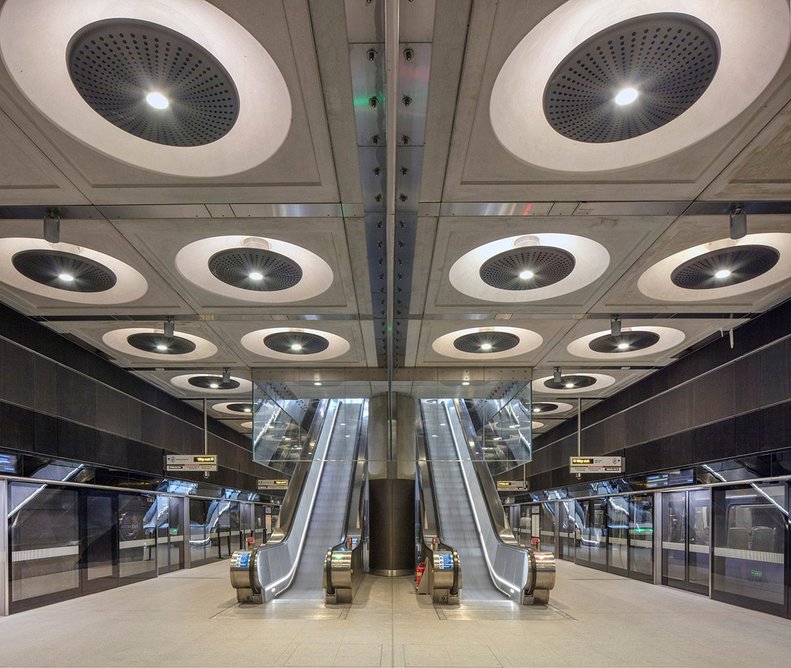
x=344, y=563
x=522, y=574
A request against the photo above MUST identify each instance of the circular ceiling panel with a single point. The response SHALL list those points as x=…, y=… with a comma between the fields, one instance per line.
x=295, y=344
x=631, y=78
x=234, y=408
x=177, y=88
x=672, y=91
x=572, y=383
x=723, y=267
x=152, y=343
x=62, y=270
x=153, y=82
x=720, y=269
x=254, y=269
x=486, y=343
x=632, y=342
x=203, y=382
x=472, y=344
x=529, y=268
x=68, y=273
x=545, y=408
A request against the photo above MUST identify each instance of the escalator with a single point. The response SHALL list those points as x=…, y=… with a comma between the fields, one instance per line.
x=471, y=517
x=314, y=512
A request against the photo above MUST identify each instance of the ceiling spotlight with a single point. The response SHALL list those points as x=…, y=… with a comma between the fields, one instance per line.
x=738, y=222
x=615, y=325
x=536, y=409
x=169, y=328
x=247, y=410
x=161, y=347
x=52, y=226
x=255, y=276
x=526, y=275
x=66, y=278
x=465, y=382
x=722, y=273
x=569, y=385
x=486, y=347
x=317, y=383
x=626, y=96
x=156, y=100
x=556, y=376
x=226, y=375
x=623, y=345
x=214, y=386
x=296, y=347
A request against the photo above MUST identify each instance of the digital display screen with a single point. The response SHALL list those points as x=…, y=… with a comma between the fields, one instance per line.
x=7, y=463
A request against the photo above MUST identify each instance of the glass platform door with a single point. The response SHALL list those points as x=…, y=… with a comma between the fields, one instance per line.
x=99, y=549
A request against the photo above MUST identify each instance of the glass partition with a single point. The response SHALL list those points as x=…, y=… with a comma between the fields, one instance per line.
x=641, y=536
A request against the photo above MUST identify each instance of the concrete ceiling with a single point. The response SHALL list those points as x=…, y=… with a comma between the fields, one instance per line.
x=463, y=189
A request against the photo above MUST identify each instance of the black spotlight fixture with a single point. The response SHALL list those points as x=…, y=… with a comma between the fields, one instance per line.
x=615, y=326
x=62, y=270
x=625, y=342
x=162, y=344
x=726, y=266
x=527, y=268
x=213, y=382
x=296, y=343
x=557, y=376
x=52, y=226
x=257, y=269
x=738, y=222
x=486, y=342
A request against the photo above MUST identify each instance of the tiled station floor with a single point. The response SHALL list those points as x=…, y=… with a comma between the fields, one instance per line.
x=191, y=618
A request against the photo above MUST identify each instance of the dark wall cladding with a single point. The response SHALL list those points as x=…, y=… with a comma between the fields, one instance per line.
x=713, y=404
x=68, y=403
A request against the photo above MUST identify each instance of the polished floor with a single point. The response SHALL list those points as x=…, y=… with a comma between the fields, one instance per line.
x=191, y=618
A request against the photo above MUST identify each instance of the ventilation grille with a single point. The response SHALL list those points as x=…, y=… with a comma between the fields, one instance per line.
x=635, y=341
x=114, y=64
x=670, y=59
x=547, y=264
x=479, y=342
x=296, y=343
x=206, y=382
x=48, y=266
x=577, y=381
x=152, y=343
x=744, y=263
x=234, y=267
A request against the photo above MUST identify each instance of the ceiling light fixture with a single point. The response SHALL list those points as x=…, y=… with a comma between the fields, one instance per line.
x=161, y=347
x=226, y=375
x=296, y=347
x=738, y=222
x=526, y=275
x=317, y=383
x=66, y=278
x=169, y=328
x=247, y=410
x=557, y=377
x=536, y=409
x=722, y=273
x=486, y=347
x=214, y=386
x=569, y=385
x=52, y=226
x=157, y=100
x=615, y=325
x=465, y=382
x=623, y=345
x=255, y=276
x=626, y=96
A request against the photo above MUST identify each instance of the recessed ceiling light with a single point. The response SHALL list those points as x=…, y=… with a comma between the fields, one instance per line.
x=536, y=409
x=156, y=100
x=569, y=385
x=722, y=273
x=296, y=347
x=626, y=96
x=66, y=278
x=623, y=345
x=255, y=276
x=161, y=347
x=526, y=275
x=214, y=386
x=486, y=346
x=247, y=410
x=317, y=383
x=465, y=382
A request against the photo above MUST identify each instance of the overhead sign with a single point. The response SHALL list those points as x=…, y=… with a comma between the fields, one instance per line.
x=190, y=462
x=268, y=485
x=596, y=464
x=512, y=485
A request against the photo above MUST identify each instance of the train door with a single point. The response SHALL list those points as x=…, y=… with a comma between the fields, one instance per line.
x=99, y=541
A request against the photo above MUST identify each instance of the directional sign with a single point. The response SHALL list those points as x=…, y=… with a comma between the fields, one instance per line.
x=596, y=464
x=512, y=485
x=267, y=485
x=190, y=462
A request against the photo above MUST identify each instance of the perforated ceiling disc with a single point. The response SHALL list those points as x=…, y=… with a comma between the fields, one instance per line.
x=213, y=383
x=726, y=266
x=296, y=343
x=625, y=342
x=527, y=268
x=65, y=271
x=255, y=269
x=544, y=407
x=657, y=66
x=117, y=66
x=486, y=342
x=159, y=343
x=575, y=381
